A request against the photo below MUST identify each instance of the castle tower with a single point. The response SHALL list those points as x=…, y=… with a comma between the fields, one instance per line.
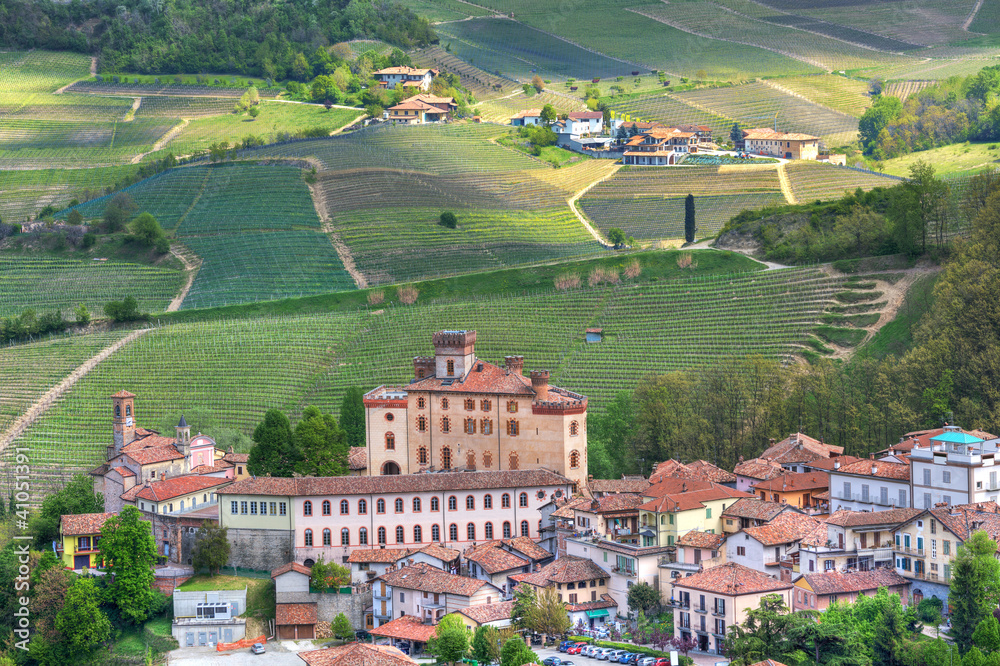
x=123, y=410
x=183, y=443
x=454, y=353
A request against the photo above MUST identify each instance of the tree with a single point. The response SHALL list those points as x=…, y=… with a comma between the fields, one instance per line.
x=74, y=217
x=341, y=627
x=643, y=597
x=450, y=641
x=484, y=644
x=82, y=316
x=524, y=603
x=328, y=574
x=129, y=552
x=211, y=548
x=352, y=416
x=548, y=115
x=218, y=151
x=616, y=236
x=549, y=616
x=148, y=230
x=537, y=83
x=124, y=310
x=882, y=112
x=118, y=212
x=76, y=497
x=273, y=452
x=975, y=587
x=254, y=111
x=321, y=445
x=987, y=635
x=735, y=134
x=448, y=220
x=516, y=653
x=763, y=635
x=49, y=595
x=689, y=227
x=928, y=199
x=81, y=621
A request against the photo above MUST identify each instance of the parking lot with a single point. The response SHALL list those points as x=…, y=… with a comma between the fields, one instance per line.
x=278, y=653
x=578, y=660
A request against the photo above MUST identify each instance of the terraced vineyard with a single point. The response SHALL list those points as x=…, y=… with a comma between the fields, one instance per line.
x=27, y=106
x=665, y=109
x=41, y=71
x=840, y=93
x=45, y=143
x=45, y=284
x=480, y=83
x=148, y=89
x=903, y=89
x=236, y=369
x=26, y=192
x=811, y=181
x=500, y=110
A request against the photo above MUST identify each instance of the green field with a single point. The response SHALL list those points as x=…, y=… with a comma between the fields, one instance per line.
x=25, y=192
x=812, y=181
x=954, y=159
x=443, y=10
x=41, y=71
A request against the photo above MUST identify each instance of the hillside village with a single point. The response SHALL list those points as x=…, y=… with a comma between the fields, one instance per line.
x=473, y=484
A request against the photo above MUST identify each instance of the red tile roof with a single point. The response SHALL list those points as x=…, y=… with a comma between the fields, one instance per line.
x=492, y=558
x=82, y=523
x=768, y=133
x=732, y=579
x=485, y=613
x=606, y=601
x=796, y=481
x=756, y=509
x=404, y=70
x=440, y=552
x=877, y=469
x=835, y=582
x=241, y=458
x=758, y=468
x=691, y=499
x=527, y=113
x=788, y=527
x=425, y=578
x=711, y=472
x=379, y=555
x=123, y=394
x=295, y=614
x=830, y=464
x=153, y=455
x=800, y=448
x=528, y=548
x=219, y=466
x=621, y=502
x=407, y=628
x=671, y=485
x=868, y=518
x=357, y=459
x=357, y=654
x=631, y=484
x=566, y=569
x=703, y=540
x=158, y=491
x=568, y=509
x=291, y=566
x=585, y=115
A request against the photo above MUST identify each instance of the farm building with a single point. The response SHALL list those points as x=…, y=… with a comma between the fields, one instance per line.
x=422, y=109
x=408, y=77
x=789, y=145
x=660, y=147
x=527, y=117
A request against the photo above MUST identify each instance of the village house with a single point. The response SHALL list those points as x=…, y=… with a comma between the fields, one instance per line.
x=696, y=551
x=627, y=484
x=613, y=516
x=798, y=489
x=855, y=540
x=659, y=147
x=369, y=563
x=494, y=615
x=787, y=145
x=763, y=548
x=869, y=485
x=461, y=412
x=700, y=470
x=427, y=593
x=408, y=631
x=752, y=512
x=751, y=472
x=408, y=77
x=526, y=118
x=561, y=514
x=585, y=122
x=725, y=593
x=79, y=536
x=954, y=467
x=627, y=564
x=276, y=520
x=703, y=132
x=817, y=591
x=795, y=452
x=421, y=109
x=496, y=561
x=684, y=506
x=575, y=579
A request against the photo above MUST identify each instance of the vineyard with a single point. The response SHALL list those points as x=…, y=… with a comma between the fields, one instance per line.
x=147, y=88
x=40, y=71
x=443, y=10
x=26, y=192
x=480, y=83
x=665, y=109
x=45, y=143
x=839, y=93
x=813, y=181
x=234, y=370
x=903, y=89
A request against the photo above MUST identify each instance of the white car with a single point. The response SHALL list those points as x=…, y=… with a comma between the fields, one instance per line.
x=604, y=653
x=588, y=651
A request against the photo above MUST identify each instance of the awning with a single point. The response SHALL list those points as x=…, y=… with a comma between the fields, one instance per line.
x=600, y=612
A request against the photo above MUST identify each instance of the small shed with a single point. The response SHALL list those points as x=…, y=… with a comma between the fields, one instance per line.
x=595, y=334
x=295, y=621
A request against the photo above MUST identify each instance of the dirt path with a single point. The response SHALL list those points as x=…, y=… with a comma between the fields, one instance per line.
x=344, y=252
x=571, y=202
x=93, y=72
x=972, y=16
x=192, y=267
x=786, y=185
x=136, y=103
x=43, y=404
x=341, y=129
x=163, y=140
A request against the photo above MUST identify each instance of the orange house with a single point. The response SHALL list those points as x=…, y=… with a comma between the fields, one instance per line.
x=798, y=489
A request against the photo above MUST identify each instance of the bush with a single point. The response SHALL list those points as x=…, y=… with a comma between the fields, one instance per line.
x=89, y=239
x=448, y=220
x=126, y=309
x=616, y=236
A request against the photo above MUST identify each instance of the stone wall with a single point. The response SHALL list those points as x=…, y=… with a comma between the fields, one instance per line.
x=328, y=605
x=262, y=550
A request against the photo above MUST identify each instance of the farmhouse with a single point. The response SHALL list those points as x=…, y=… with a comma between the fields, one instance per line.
x=789, y=145
x=422, y=109
x=817, y=591
x=79, y=536
x=527, y=117
x=659, y=147
x=409, y=77
x=461, y=412
x=585, y=122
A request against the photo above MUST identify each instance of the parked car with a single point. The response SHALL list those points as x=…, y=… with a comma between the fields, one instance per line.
x=575, y=648
x=258, y=648
x=588, y=650
x=565, y=645
x=615, y=655
x=605, y=654
x=635, y=659
x=566, y=663
x=624, y=657
x=662, y=661
x=646, y=661
x=552, y=661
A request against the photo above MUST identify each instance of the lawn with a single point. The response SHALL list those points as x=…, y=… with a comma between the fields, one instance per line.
x=954, y=159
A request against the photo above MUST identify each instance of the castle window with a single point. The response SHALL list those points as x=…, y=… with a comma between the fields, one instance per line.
x=487, y=405
x=524, y=528
x=345, y=537
x=327, y=540
x=487, y=426
x=446, y=424
x=400, y=535
x=513, y=427
x=390, y=442
x=444, y=403
x=362, y=507
x=381, y=535
x=118, y=411
x=435, y=533
x=445, y=457
x=128, y=410
x=488, y=502
x=514, y=461
x=380, y=506
x=574, y=428
x=470, y=531
x=512, y=406
x=435, y=504
x=489, y=530
x=422, y=455
x=421, y=402
x=344, y=510
x=470, y=404
x=487, y=459
x=470, y=426
x=451, y=367
x=506, y=529
x=309, y=537
x=522, y=499
x=574, y=459
x=390, y=416
x=326, y=507
x=416, y=505
x=453, y=532
x=363, y=536
x=421, y=424
x=505, y=501
x=452, y=503
x=307, y=508
x=418, y=534
x=399, y=505
x=470, y=503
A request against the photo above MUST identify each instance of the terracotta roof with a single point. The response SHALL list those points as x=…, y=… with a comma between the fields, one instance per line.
x=397, y=483
x=613, y=503
x=816, y=537
x=122, y=471
x=416, y=104
x=835, y=582
x=800, y=448
x=434, y=99
x=703, y=540
x=758, y=468
x=379, y=555
x=425, y=578
x=768, y=133
x=82, y=523
x=123, y=394
x=631, y=484
x=158, y=491
x=878, y=469
x=149, y=439
x=407, y=628
x=295, y=614
x=585, y=115
x=691, y=499
x=732, y=579
x=527, y=113
x=150, y=456
x=491, y=379
x=829, y=464
x=566, y=569
x=357, y=459
x=492, y=558
x=219, y=466
x=755, y=509
x=671, y=485
x=824, y=496
x=711, y=472
x=485, y=613
x=357, y=654
x=567, y=511
x=964, y=519
x=404, y=69
x=291, y=566
x=788, y=527
x=795, y=481
x=606, y=601
x=866, y=518
x=239, y=458
x=528, y=548
x=440, y=552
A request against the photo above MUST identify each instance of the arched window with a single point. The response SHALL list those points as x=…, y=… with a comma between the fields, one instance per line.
x=435, y=533
x=389, y=467
x=452, y=503
x=445, y=457
x=444, y=403
x=514, y=461
x=363, y=536
x=663, y=520
x=506, y=529
x=416, y=505
x=505, y=501
x=470, y=503
x=399, y=505
x=453, y=532
x=470, y=426
x=400, y=534
x=524, y=528
x=344, y=508
x=118, y=411
x=574, y=459
x=451, y=367
x=470, y=404
x=418, y=534
x=487, y=459
x=345, y=537
x=470, y=531
x=421, y=424
x=522, y=499
x=446, y=424
x=327, y=540
x=309, y=537
x=574, y=428
x=381, y=535
x=488, y=502
x=128, y=410
x=362, y=507
x=487, y=405
x=435, y=504
x=513, y=427
x=489, y=530
x=470, y=459
x=380, y=506
x=487, y=426
x=390, y=441
x=422, y=455
x=307, y=508
x=512, y=406
x=421, y=402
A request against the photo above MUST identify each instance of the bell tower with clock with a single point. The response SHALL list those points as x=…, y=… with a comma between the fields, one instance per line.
x=123, y=406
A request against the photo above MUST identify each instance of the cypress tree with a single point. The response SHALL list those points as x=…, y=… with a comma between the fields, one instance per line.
x=689, y=227
x=352, y=416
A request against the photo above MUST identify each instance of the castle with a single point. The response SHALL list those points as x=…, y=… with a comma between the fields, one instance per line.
x=461, y=412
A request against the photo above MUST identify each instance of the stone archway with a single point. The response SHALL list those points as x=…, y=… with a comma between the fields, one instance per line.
x=390, y=468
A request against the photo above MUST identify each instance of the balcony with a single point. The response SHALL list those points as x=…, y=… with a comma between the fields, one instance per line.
x=700, y=609
x=929, y=576
x=631, y=573
x=685, y=624
x=919, y=552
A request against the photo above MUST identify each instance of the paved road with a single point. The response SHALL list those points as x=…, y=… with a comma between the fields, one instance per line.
x=277, y=655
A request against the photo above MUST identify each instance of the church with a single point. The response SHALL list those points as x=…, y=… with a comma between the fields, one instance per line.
x=459, y=412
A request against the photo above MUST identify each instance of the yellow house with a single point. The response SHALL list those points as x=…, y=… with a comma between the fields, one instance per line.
x=663, y=520
x=798, y=489
x=493, y=615
x=79, y=536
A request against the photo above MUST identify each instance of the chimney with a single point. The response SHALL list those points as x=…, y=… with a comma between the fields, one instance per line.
x=836, y=464
x=515, y=364
x=540, y=384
